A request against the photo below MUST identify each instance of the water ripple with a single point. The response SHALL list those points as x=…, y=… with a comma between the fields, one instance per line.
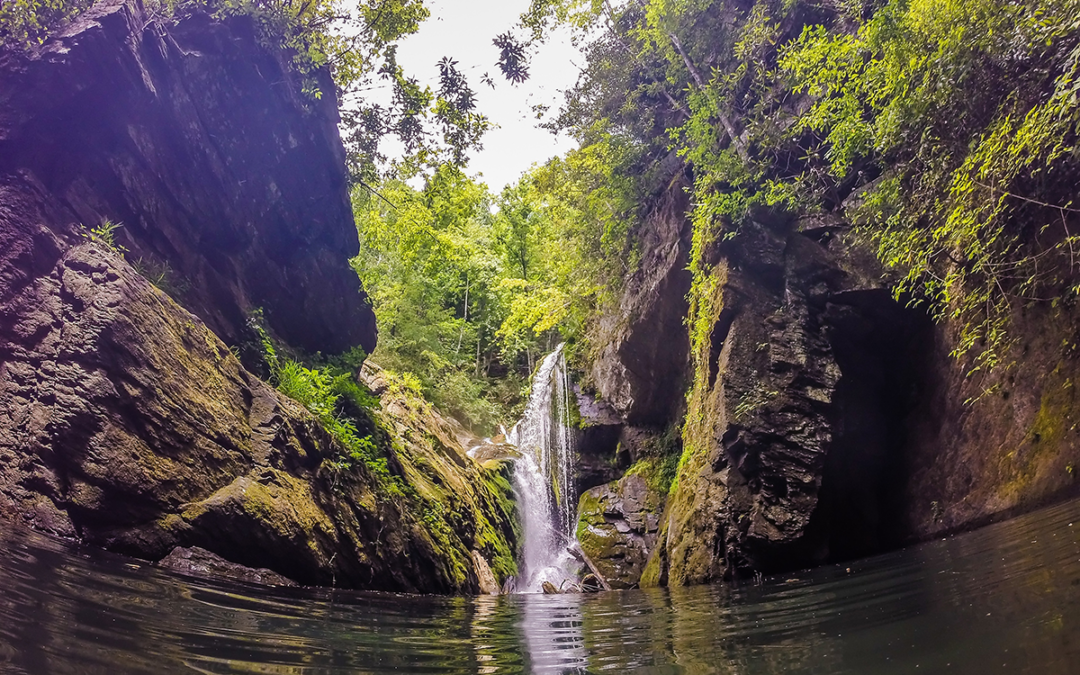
x=1003, y=599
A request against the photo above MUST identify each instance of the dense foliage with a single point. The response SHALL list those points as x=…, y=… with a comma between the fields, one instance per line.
x=27, y=22
x=943, y=132
x=427, y=262
x=968, y=110
x=469, y=288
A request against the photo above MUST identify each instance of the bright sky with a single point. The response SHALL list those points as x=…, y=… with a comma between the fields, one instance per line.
x=463, y=30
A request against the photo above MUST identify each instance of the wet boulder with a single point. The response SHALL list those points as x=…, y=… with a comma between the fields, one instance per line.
x=617, y=528
x=199, y=562
x=598, y=456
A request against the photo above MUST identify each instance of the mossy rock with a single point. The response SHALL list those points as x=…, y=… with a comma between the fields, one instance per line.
x=617, y=527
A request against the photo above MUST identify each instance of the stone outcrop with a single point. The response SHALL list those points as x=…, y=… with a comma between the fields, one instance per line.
x=642, y=347
x=617, y=528
x=825, y=420
x=791, y=417
x=226, y=179
x=125, y=421
x=467, y=507
x=596, y=443
x=198, y=562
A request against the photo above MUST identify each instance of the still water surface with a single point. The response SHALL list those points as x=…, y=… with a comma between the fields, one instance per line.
x=1004, y=599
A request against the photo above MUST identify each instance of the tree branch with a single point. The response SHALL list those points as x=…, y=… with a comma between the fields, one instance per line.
x=737, y=142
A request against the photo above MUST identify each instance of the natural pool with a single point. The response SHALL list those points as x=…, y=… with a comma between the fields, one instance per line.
x=1003, y=599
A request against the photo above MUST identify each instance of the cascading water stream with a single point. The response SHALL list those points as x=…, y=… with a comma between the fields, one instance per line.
x=543, y=477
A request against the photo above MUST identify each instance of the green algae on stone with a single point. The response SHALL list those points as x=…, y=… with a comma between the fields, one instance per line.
x=617, y=527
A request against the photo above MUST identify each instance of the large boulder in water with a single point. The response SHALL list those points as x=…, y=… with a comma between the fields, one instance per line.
x=617, y=527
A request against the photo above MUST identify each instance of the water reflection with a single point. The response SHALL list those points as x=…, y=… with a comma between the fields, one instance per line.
x=552, y=635
x=1004, y=599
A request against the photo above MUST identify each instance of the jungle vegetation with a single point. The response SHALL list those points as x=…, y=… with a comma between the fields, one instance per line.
x=470, y=288
x=942, y=134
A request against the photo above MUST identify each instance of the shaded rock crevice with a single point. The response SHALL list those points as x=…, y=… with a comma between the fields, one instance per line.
x=642, y=349
x=793, y=419
x=882, y=349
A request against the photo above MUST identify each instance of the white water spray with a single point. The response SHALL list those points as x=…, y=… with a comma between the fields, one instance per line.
x=543, y=477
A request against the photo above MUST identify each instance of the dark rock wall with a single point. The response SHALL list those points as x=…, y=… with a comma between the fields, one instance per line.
x=199, y=141
x=597, y=443
x=824, y=419
x=985, y=446
x=643, y=346
x=761, y=414
x=882, y=350
x=124, y=420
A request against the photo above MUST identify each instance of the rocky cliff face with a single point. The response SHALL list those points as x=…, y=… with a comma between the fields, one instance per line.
x=824, y=420
x=793, y=415
x=224, y=176
x=985, y=446
x=124, y=419
x=643, y=346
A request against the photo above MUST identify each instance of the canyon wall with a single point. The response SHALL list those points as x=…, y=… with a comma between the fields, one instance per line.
x=821, y=419
x=200, y=145
x=126, y=418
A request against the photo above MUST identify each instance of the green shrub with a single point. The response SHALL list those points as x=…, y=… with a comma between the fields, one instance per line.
x=163, y=277
x=327, y=395
x=658, y=472
x=342, y=406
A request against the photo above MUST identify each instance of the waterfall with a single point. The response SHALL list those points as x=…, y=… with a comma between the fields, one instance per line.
x=543, y=477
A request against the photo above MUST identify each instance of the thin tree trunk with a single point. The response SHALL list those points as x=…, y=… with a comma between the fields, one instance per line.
x=579, y=553
x=479, y=335
x=740, y=147
x=462, y=333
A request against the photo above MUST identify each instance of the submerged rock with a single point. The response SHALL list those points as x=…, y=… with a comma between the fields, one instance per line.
x=199, y=562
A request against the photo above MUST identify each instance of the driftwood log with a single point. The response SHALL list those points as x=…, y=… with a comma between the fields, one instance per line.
x=579, y=555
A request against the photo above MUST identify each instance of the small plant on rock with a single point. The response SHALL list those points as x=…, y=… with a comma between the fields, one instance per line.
x=105, y=235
